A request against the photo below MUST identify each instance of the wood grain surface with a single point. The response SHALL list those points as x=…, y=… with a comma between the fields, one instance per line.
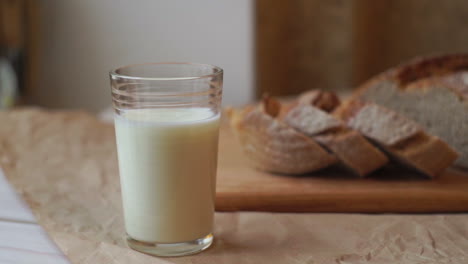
x=240, y=187
x=301, y=45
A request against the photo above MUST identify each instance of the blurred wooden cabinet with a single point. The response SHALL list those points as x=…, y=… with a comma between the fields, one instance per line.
x=302, y=44
x=387, y=32
x=19, y=41
x=338, y=44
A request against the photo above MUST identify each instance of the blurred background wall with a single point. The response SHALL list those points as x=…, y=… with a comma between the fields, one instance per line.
x=82, y=40
x=62, y=50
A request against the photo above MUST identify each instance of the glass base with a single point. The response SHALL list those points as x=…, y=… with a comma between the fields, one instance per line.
x=171, y=249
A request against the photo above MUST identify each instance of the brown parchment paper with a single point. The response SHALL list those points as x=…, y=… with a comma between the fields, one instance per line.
x=64, y=165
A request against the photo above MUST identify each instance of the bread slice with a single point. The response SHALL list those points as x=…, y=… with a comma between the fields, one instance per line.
x=351, y=148
x=399, y=136
x=271, y=145
x=354, y=151
x=309, y=112
x=432, y=91
x=310, y=120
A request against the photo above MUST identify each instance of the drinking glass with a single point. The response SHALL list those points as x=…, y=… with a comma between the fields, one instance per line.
x=166, y=126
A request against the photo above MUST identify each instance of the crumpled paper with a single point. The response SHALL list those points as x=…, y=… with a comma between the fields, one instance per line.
x=64, y=166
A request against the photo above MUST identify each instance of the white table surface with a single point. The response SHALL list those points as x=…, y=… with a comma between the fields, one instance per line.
x=22, y=240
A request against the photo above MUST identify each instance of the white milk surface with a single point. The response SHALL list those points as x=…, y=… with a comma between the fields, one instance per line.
x=167, y=163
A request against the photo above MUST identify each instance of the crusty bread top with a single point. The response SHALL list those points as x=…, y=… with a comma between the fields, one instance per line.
x=327, y=101
x=428, y=66
x=437, y=69
x=456, y=81
x=270, y=106
x=425, y=67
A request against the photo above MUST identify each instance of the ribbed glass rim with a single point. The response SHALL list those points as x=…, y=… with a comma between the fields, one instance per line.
x=217, y=71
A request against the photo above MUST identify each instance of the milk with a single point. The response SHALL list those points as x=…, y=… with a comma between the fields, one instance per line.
x=167, y=163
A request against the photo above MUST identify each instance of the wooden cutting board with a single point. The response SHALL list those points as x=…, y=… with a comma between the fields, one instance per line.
x=241, y=187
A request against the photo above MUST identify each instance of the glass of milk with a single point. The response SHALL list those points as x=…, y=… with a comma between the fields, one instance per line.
x=166, y=126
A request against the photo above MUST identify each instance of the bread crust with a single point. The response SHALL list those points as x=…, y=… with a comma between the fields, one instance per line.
x=324, y=100
x=433, y=67
x=354, y=151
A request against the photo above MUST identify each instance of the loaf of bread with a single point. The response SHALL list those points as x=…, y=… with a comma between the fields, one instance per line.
x=415, y=113
x=432, y=91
